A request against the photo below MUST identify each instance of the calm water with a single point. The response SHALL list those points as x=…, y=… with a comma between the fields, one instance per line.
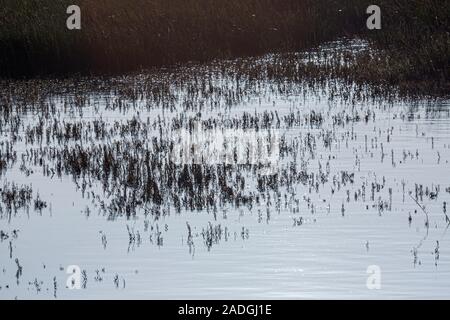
x=351, y=168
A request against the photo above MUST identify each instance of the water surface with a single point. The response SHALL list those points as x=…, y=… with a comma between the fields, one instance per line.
x=362, y=180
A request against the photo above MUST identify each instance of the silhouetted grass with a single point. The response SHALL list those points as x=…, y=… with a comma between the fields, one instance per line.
x=415, y=36
x=119, y=36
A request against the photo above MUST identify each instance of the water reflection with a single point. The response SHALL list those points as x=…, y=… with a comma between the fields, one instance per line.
x=89, y=179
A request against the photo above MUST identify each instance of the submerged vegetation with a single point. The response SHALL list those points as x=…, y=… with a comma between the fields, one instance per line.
x=125, y=166
x=120, y=36
x=347, y=151
x=362, y=125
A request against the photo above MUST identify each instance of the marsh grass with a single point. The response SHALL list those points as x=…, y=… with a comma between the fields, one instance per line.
x=118, y=36
x=129, y=160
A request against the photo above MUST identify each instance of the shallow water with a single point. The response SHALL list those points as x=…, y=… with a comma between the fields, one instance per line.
x=314, y=237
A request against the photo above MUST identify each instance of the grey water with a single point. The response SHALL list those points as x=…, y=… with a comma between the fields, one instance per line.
x=362, y=183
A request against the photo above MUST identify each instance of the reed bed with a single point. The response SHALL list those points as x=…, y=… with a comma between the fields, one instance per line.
x=119, y=36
